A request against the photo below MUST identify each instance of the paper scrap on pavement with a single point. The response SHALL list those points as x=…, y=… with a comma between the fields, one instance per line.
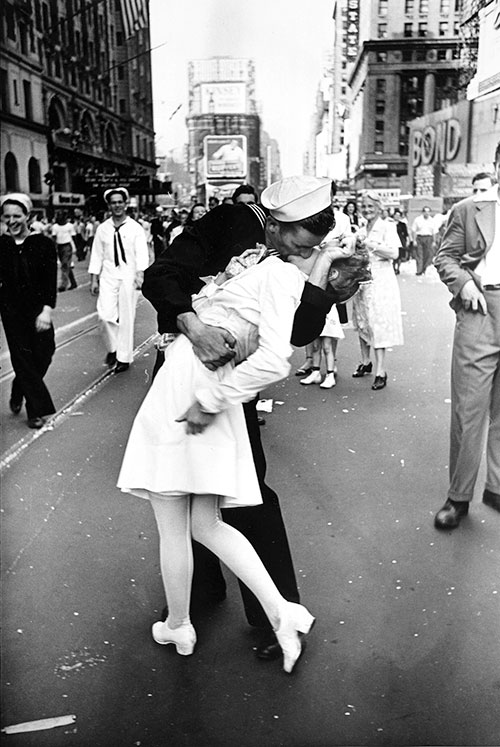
x=40, y=725
x=265, y=405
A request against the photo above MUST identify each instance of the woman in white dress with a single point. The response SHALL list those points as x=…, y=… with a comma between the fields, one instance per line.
x=377, y=307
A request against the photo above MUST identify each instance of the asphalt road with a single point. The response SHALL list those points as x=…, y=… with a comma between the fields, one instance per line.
x=406, y=649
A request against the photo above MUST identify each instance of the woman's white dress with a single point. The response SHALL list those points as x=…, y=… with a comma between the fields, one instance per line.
x=376, y=308
x=257, y=307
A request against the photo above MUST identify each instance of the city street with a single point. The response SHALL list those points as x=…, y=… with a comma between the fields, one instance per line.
x=406, y=648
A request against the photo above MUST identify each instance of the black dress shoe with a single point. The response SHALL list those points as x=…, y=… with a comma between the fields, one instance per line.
x=261, y=420
x=450, y=516
x=120, y=367
x=491, y=499
x=362, y=369
x=110, y=359
x=36, y=423
x=269, y=649
x=15, y=405
x=380, y=382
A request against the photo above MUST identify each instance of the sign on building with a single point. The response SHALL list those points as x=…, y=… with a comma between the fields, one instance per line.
x=225, y=156
x=68, y=199
x=223, y=98
x=352, y=30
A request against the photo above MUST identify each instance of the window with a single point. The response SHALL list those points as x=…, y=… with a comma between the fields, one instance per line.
x=379, y=146
x=16, y=93
x=28, y=102
x=11, y=173
x=423, y=6
x=122, y=106
x=45, y=17
x=421, y=55
x=382, y=7
x=422, y=28
x=121, y=72
x=381, y=85
x=443, y=28
x=23, y=38
x=407, y=55
x=409, y=7
x=381, y=56
x=408, y=29
x=10, y=21
x=444, y=7
x=119, y=39
x=441, y=55
x=382, y=31
x=379, y=107
x=456, y=28
x=458, y=6
x=4, y=90
x=34, y=177
x=379, y=127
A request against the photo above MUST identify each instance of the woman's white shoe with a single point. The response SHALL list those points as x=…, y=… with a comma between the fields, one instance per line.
x=184, y=638
x=313, y=378
x=328, y=382
x=294, y=619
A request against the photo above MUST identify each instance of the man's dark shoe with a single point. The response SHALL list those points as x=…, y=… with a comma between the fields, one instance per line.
x=450, y=516
x=110, y=359
x=261, y=420
x=15, y=405
x=269, y=649
x=491, y=499
x=36, y=423
x=121, y=367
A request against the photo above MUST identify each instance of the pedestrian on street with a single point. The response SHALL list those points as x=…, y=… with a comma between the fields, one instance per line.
x=468, y=262
x=63, y=233
x=423, y=234
x=205, y=250
x=244, y=193
x=28, y=279
x=376, y=310
x=402, y=229
x=117, y=263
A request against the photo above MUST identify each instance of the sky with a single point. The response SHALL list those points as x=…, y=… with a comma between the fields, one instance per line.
x=287, y=39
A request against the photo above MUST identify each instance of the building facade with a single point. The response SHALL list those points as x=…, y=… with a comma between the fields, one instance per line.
x=77, y=111
x=224, y=128
x=408, y=65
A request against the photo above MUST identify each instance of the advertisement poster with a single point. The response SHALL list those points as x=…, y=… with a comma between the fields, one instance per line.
x=226, y=156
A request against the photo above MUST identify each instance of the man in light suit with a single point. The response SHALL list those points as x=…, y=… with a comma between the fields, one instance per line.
x=468, y=261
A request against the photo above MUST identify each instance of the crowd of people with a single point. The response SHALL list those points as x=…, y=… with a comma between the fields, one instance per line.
x=235, y=287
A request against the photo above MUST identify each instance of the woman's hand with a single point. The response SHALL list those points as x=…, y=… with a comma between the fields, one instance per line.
x=196, y=419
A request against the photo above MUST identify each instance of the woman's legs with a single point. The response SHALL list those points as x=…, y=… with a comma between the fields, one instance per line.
x=236, y=552
x=379, y=361
x=365, y=352
x=176, y=555
x=329, y=347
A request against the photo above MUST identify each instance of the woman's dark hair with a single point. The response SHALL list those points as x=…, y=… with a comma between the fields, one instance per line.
x=17, y=203
x=347, y=273
x=318, y=224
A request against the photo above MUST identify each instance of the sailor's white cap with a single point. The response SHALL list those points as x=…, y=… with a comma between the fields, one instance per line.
x=297, y=197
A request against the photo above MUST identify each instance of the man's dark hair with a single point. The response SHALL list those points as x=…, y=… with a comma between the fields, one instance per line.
x=318, y=224
x=497, y=152
x=482, y=175
x=244, y=189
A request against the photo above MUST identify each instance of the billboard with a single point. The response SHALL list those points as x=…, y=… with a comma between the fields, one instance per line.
x=225, y=156
x=223, y=98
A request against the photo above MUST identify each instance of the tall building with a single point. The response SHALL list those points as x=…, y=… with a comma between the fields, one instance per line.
x=223, y=126
x=408, y=65
x=77, y=113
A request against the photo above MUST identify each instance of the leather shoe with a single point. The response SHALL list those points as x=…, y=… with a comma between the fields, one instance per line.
x=269, y=649
x=15, y=406
x=491, y=499
x=110, y=359
x=261, y=420
x=120, y=367
x=379, y=382
x=36, y=423
x=362, y=369
x=450, y=516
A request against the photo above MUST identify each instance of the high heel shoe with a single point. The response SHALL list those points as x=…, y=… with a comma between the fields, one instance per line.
x=362, y=369
x=379, y=382
x=184, y=638
x=295, y=619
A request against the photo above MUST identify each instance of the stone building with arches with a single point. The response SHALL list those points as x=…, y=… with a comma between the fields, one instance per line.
x=76, y=101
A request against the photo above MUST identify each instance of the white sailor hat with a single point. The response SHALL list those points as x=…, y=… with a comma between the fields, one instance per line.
x=297, y=197
x=20, y=199
x=117, y=190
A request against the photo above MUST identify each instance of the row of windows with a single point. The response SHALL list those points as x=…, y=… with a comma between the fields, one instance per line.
x=445, y=6
x=420, y=55
x=11, y=173
x=422, y=29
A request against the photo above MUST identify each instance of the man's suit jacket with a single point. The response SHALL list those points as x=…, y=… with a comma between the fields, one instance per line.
x=468, y=236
